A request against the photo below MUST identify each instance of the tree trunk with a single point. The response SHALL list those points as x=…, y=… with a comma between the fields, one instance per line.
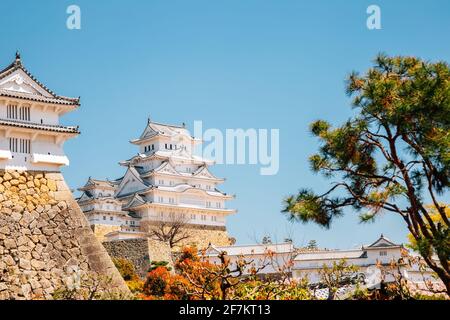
x=441, y=272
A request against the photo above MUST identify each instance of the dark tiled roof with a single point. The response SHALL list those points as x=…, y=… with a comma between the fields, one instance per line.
x=32, y=97
x=16, y=65
x=45, y=127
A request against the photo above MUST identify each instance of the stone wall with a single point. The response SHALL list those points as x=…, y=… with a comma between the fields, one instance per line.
x=45, y=238
x=134, y=250
x=140, y=252
x=160, y=251
x=200, y=236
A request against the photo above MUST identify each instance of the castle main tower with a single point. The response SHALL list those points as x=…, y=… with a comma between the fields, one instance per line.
x=164, y=182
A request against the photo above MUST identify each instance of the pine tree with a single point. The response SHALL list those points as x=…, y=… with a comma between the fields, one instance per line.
x=312, y=245
x=396, y=148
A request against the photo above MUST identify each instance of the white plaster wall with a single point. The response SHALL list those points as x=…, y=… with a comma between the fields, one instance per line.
x=272, y=264
x=49, y=116
x=43, y=144
x=154, y=214
x=102, y=192
x=373, y=255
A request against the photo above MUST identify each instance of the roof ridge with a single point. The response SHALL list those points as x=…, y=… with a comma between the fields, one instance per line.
x=257, y=244
x=167, y=125
x=32, y=125
x=17, y=64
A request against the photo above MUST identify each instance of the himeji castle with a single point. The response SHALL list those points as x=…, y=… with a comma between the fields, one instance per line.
x=165, y=181
x=31, y=137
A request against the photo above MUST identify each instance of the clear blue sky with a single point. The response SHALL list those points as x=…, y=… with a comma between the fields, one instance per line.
x=232, y=64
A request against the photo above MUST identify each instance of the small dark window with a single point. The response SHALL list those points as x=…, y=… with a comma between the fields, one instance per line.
x=166, y=145
x=42, y=121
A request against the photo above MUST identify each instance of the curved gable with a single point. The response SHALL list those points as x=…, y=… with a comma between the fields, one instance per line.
x=130, y=183
x=20, y=82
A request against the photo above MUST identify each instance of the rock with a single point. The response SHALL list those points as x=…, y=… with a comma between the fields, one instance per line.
x=16, y=216
x=45, y=283
x=18, y=208
x=62, y=205
x=24, y=249
x=47, y=231
x=7, y=176
x=36, y=183
x=5, y=230
x=51, y=184
x=25, y=264
x=52, y=213
x=37, y=265
x=26, y=290
x=27, y=217
x=9, y=260
x=43, y=239
x=15, y=174
x=7, y=204
x=22, y=240
x=54, y=176
x=10, y=243
x=39, y=248
x=14, y=182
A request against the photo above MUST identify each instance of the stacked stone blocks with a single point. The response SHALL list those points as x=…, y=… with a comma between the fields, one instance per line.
x=45, y=238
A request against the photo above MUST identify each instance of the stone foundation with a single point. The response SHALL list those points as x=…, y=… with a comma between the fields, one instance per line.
x=203, y=236
x=45, y=238
x=134, y=250
x=200, y=236
x=140, y=252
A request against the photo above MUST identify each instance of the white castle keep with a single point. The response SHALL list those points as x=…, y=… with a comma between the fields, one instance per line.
x=31, y=137
x=165, y=181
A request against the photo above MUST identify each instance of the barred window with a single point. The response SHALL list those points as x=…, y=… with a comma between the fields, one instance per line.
x=20, y=145
x=13, y=144
x=15, y=112
x=24, y=113
x=11, y=111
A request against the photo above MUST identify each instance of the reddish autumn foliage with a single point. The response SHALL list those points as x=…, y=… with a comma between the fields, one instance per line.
x=162, y=284
x=190, y=275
